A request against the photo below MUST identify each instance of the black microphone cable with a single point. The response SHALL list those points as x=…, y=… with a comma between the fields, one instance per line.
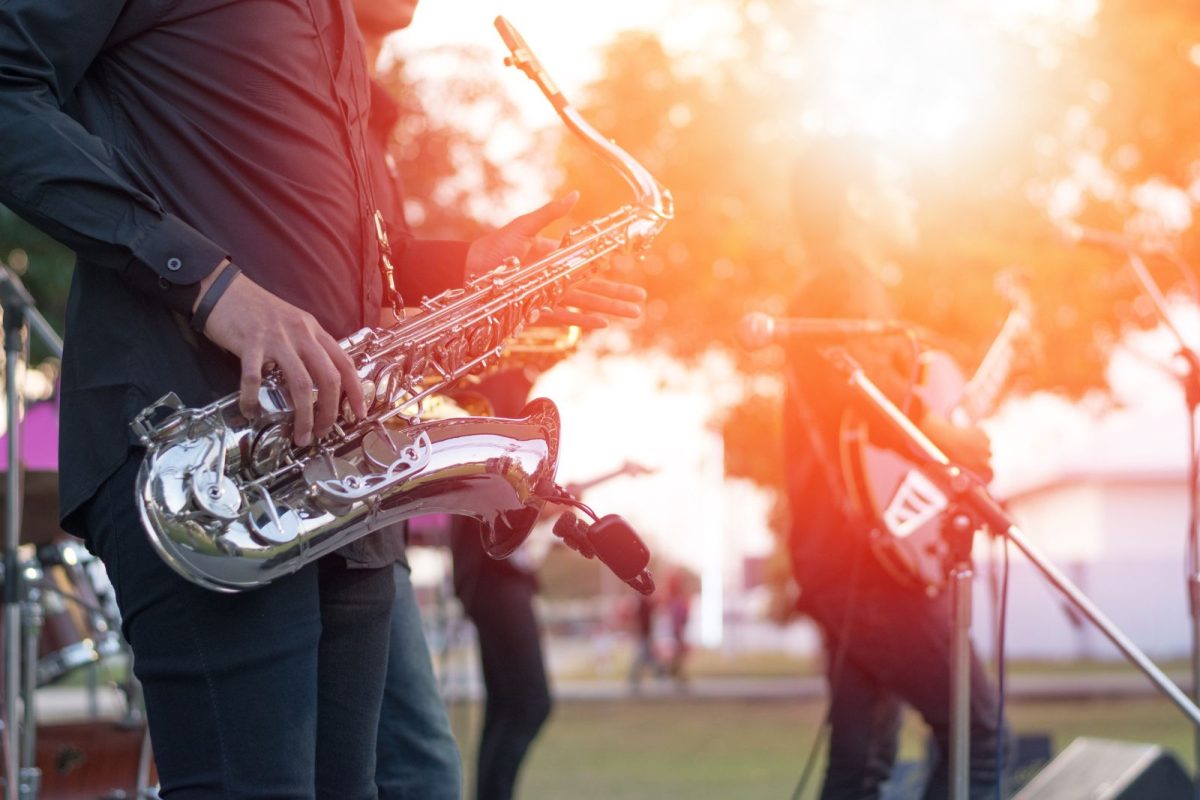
x=835, y=672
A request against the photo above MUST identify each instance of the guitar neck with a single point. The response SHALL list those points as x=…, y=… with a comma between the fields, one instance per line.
x=624, y=469
x=983, y=391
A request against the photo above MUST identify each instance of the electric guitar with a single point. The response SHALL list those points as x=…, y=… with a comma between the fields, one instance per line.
x=885, y=486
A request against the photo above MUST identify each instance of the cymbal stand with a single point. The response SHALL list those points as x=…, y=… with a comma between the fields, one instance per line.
x=970, y=498
x=22, y=611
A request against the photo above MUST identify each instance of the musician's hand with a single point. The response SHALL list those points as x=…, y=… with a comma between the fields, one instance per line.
x=969, y=447
x=588, y=305
x=519, y=238
x=258, y=327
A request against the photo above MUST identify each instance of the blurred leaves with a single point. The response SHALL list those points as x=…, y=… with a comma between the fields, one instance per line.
x=450, y=103
x=722, y=134
x=43, y=265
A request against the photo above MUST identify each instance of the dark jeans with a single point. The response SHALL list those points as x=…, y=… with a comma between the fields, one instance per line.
x=894, y=646
x=498, y=598
x=268, y=693
x=418, y=757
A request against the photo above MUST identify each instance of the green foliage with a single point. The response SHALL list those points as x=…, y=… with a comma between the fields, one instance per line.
x=721, y=133
x=440, y=141
x=44, y=265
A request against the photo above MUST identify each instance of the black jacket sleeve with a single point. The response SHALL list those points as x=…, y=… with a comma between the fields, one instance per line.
x=65, y=180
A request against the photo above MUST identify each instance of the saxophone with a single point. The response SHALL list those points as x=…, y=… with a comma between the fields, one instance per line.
x=231, y=503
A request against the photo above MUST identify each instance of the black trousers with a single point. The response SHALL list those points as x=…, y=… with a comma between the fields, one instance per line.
x=499, y=600
x=888, y=645
x=268, y=693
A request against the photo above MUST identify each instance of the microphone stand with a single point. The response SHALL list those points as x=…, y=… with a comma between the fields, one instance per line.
x=1189, y=380
x=22, y=612
x=971, y=508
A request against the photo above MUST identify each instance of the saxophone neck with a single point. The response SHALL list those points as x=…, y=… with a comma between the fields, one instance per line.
x=652, y=196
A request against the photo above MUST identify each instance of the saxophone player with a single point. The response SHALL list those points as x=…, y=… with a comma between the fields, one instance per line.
x=207, y=162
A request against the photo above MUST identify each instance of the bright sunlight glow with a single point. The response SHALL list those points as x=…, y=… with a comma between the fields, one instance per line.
x=912, y=74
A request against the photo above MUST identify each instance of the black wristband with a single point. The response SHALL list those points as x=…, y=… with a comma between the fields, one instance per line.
x=209, y=301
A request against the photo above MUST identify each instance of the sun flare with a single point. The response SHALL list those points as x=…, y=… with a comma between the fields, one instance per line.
x=911, y=74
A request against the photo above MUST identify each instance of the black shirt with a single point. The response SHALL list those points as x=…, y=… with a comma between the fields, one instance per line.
x=825, y=532
x=156, y=137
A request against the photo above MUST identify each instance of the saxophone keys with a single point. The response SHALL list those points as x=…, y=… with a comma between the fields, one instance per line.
x=217, y=495
x=268, y=526
x=369, y=394
x=339, y=473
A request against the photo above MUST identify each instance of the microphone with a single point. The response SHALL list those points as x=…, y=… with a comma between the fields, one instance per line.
x=758, y=330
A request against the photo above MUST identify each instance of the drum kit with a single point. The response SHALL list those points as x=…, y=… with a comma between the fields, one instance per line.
x=60, y=626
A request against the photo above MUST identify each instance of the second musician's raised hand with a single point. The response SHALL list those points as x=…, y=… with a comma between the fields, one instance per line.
x=519, y=238
x=591, y=303
x=587, y=305
x=260, y=328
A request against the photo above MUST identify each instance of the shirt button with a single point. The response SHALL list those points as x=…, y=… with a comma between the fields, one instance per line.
x=174, y=264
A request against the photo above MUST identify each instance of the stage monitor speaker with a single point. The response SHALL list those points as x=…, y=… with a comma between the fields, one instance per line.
x=1098, y=769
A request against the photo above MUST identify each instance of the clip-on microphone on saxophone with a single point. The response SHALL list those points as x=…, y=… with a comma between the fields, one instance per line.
x=609, y=538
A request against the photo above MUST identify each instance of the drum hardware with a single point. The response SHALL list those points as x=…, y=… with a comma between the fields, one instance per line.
x=57, y=617
x=20, y=597
x=971, y=508
x=75, y=621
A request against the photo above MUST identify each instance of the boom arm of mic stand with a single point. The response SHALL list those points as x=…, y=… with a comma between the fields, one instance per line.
x=966, y=489
x=14, y=295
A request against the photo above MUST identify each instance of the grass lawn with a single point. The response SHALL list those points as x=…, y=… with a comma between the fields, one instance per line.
x=625, y=749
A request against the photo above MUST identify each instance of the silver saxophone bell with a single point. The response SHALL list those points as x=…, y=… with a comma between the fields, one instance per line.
x=230, y=537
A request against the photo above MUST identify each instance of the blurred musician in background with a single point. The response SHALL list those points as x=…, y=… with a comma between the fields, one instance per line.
x=886, y=644
x=416, y=753
x=417, y=756
x=498, y=598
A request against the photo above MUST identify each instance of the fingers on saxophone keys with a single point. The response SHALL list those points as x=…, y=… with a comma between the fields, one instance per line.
x=252, y=369
x=349, y=375
x=303, y=392
x=590, y=302
x=562, y=318
x=328, y=382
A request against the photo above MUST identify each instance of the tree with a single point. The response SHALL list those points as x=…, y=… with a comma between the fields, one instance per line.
x=44, y=266
x=1087, y=122
x=451, y=177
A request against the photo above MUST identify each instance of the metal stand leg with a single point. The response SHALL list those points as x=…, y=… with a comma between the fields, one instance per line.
x=22, y=779
x=14, y=351
x=145, y=758
x=960, y=683
x=1194, y=602
x=31, y=612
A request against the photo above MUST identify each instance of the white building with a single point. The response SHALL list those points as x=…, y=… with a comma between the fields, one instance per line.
x=1104, y=495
